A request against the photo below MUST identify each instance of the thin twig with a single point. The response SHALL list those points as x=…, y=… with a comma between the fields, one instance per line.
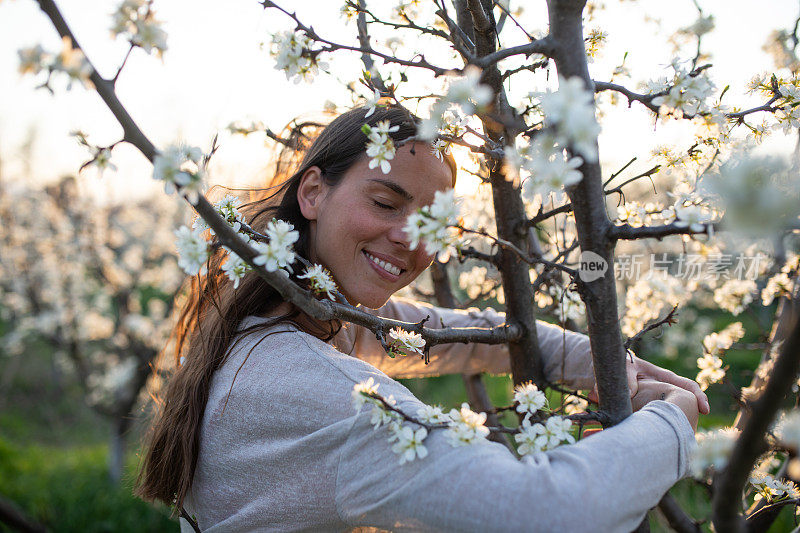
x=668, y=319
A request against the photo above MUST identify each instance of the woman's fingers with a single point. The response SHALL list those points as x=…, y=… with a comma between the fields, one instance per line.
x=649, y=390
x=650, y=370
x=633, y=377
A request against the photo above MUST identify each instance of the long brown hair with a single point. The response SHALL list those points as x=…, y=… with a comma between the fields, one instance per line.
x=208, y=323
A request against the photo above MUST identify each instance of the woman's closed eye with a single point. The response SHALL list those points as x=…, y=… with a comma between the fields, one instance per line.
x=383, y=205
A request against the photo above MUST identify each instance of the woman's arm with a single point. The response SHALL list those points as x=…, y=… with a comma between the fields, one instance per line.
x=483, y=487
x=566, y=355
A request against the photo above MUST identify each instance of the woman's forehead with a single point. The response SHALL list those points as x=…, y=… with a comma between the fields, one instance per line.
x=416, y=166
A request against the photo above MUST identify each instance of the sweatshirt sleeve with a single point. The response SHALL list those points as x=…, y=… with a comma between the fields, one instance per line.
x=606, y=482
x=567, y=355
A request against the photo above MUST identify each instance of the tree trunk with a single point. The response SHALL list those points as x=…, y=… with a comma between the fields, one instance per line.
x=116, y=449
x=525, y=353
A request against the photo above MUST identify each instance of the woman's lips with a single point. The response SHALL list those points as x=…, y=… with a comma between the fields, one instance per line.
x=385, y=269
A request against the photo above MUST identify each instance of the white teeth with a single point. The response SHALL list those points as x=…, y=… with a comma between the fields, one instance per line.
x=388, y=267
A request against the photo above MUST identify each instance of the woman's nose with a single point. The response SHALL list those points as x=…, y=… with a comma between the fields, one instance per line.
x=398, y=236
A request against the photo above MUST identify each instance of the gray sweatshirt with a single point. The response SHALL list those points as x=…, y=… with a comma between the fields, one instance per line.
x=283, y=449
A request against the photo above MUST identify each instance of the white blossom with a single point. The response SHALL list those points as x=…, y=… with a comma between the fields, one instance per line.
x=372, y=103
x=409, y=443
x=466, y=427
x=433, y=224
x=362, y=391
x=192, y=250
x=648, y=299
x=292, y=54
x=735, y=295
x=440, y=148
x=178, y=166
x=788, y=118
x=278, y=252
x=538, y=437
x=33, y=60
x=689, y=215
x=227, y=208
x=770, y=488
x=465, y=94
x=529, y=398
x=716, y=343
x=701, y=26
x=542, y=167
x=575, y=405
x=381, y=415
x=789, y=91
x=102, y=160
x=406, y=342
x=432, y=414
x=781, y=283
x=687, y=94
x=380, y=147
x=570, y=110
x=748, y=187
x=136, y=19
x=787, y=429
x=476, y=282
x=72, y=62
x=711, y=370
x=568, y=304
x=713, y=450
x=235, y=268
x=320, y=280
x=149, y=35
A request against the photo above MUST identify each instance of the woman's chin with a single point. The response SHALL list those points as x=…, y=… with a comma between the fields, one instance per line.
x=371, y=300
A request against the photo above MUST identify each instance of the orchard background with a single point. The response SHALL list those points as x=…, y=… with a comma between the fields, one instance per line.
x=88, y=274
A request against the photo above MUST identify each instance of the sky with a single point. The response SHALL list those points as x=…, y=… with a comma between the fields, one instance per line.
x=215, y=72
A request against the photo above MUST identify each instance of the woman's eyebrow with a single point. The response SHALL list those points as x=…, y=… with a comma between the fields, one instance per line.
x=395, y=187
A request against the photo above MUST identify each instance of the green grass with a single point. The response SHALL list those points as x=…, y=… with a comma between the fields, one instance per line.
x=68, y=489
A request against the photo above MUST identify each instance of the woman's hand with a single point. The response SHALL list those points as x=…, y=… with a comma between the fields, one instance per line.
x=649, y=390
x=639, y=369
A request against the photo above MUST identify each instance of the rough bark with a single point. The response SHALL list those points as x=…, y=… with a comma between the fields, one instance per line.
x=526, y=360
x=729, y=482
x=116, y=451
x=780, y=328
x=592, y=223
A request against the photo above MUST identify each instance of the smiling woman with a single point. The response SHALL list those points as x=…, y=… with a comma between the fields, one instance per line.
x=356, y=227
x=257, y=431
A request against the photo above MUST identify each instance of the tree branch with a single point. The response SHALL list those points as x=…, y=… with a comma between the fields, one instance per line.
x=332, y=46
x=729, y=482
x=628, y=232
x=525, y=352
x=668, y=319
x=323, y=310
x=647, y=100
x=543, y=46
x=592, y=223
x=14, y=518
x=677, y=517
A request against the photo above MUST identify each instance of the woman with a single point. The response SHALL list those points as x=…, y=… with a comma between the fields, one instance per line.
x=258, y=431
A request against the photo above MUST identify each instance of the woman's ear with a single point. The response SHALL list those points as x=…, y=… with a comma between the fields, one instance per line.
x=310, y=192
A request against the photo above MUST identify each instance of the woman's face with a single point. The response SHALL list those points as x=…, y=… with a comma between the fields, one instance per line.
x=356, y=228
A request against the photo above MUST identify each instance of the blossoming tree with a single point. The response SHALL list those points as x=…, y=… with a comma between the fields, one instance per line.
x=98, y=291
x=537, y=234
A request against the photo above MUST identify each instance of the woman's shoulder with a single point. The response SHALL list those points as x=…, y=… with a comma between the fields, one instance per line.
x=286, y=346
x=285, y=363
